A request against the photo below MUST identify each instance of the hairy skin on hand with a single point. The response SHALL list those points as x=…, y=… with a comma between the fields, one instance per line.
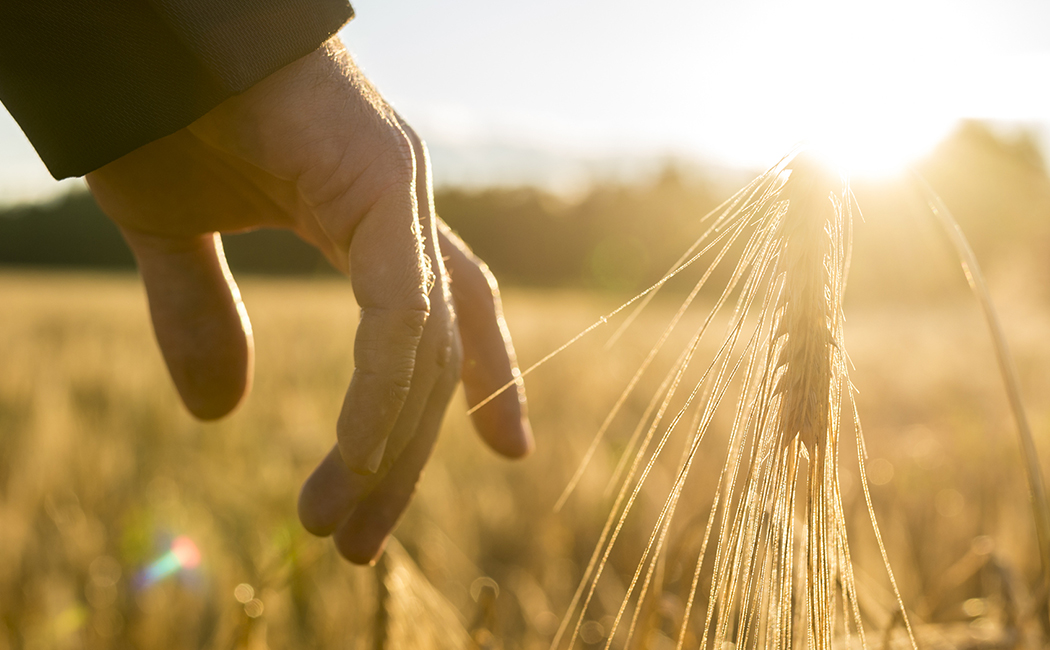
x=314, y=149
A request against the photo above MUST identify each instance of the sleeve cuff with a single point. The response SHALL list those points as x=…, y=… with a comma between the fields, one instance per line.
x=91, y=81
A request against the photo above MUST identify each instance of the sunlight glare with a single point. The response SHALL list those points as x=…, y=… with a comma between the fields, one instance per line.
x=869, y=107
x=878, y=149
x=850, y=80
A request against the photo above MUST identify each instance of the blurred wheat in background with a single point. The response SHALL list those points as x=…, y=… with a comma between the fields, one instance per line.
x=105, y=482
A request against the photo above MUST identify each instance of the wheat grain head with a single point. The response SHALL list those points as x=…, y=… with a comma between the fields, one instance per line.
x=780, y=569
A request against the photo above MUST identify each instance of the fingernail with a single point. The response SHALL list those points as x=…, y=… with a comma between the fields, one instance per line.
x=379, y=554
x=376, y=458
x=527, y=436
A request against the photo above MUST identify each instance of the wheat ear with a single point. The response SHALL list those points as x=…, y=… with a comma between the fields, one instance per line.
x=781, y=571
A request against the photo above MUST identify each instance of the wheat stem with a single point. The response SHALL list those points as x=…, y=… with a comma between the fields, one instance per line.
x=1036, y=485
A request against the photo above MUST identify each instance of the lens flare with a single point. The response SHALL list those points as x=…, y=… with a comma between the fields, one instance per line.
x=183, y=554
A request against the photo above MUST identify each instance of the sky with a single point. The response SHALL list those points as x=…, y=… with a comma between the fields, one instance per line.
x=502, y=89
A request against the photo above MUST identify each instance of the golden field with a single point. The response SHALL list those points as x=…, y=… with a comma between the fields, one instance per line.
x=101, y=468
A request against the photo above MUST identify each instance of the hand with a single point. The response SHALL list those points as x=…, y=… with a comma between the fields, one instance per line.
x=315, y=149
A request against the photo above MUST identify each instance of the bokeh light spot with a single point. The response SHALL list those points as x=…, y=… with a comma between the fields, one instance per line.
x=244, y=593
x=254, y=608
x=880, y=471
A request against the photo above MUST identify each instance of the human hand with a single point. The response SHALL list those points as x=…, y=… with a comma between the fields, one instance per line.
x=315, y=149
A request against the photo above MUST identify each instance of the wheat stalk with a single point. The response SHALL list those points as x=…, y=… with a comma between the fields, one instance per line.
x=772, y=584
x=780, y=564
x=1033, y=473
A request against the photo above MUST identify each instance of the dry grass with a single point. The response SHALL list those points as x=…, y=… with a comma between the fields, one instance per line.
x=100, y=467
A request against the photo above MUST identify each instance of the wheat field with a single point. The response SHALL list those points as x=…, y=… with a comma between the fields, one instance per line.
x=101, y=471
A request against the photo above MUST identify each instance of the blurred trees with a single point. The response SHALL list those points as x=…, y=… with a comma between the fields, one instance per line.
x=69, y=232
x=72, y=232
x=621, y=237
x=616, y=237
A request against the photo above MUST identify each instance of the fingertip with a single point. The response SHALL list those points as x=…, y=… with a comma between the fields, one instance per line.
x=328, y=496
x=516, y=443
x=313, y=521
x=527, y=440
x=504, y=426
x=360, y=546
x=362, y=535
x=199, y=320
x=315, y=514
x=215, y=388
x=502, y=421
x=374, y=460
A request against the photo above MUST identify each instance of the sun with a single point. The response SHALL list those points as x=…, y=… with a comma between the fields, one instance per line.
x=867, y=109
x=871, y=90
x=876, y=148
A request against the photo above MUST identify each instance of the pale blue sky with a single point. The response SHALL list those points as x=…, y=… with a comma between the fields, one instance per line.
x=737, y=82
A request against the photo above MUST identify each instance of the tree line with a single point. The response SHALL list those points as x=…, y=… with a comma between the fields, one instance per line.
x=620, y=236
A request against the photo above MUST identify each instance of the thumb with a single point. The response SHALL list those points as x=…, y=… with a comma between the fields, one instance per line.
x=198, y=318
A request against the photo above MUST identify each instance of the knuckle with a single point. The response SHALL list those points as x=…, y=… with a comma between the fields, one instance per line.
x=410, y=133
x=351, y=184
x=403, y=156
x=392, y=169
x=451, y=351
x=389, y=338
x=448, y=354
x=414, y=319
x=441, y=338
x=382, y=327
x=383, y=366
x=419, y=147
x=397, y=162
x=400, y=386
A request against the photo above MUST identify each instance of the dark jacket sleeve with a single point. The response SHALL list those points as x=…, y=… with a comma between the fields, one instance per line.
x=90, y=80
